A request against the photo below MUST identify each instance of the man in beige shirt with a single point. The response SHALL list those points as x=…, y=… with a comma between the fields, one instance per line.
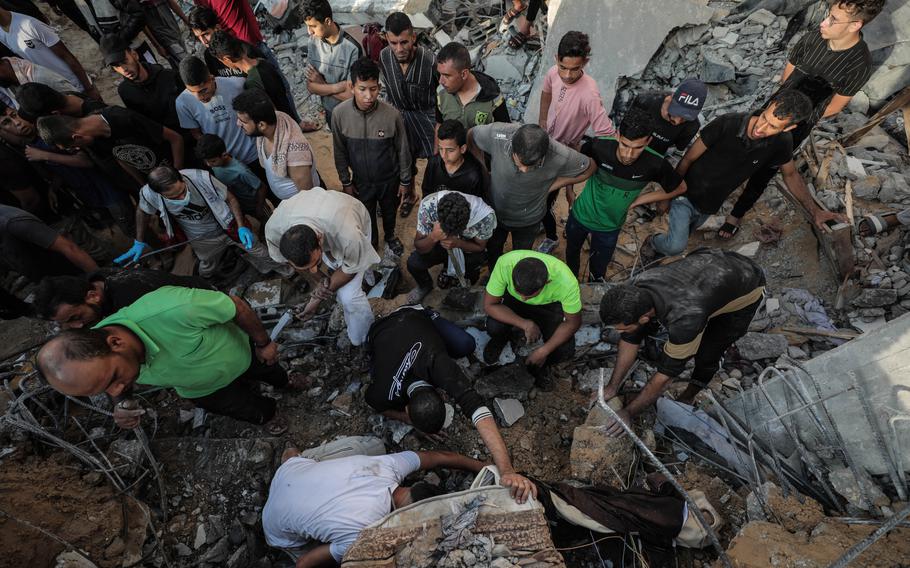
x=333, y=228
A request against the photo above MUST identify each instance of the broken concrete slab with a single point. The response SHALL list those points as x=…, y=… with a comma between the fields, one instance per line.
x=843, y=481
x=509, y=381
x=793, y=515
x=875, y=298
x=716, y=70
x=381, y=7
x=757, y=346
x=263, y=294
x=508, y=410
x=626, y=35
x=596, y=457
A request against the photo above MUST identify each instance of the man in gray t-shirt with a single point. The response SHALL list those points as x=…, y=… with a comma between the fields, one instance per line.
x=330, y=53
x=204, y=107
x=525, y=165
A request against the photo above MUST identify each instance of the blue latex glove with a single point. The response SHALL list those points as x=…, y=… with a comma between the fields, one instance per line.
x=133, y=254
x=246, y=237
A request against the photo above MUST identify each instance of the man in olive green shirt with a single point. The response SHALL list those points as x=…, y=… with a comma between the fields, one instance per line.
x=538, y=294
x=196, y=341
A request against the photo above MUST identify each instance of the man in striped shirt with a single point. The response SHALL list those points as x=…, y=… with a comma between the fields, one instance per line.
x=829, y=65
x=409, y=73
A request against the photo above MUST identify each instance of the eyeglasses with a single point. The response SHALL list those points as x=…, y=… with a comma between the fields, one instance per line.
x=832, y=21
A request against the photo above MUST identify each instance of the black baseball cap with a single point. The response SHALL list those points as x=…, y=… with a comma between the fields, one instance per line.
x=688, y=99
x=113, y=49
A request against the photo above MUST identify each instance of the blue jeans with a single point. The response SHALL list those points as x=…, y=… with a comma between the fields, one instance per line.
x=459, y=343
x=603, y=243
x=684, y=219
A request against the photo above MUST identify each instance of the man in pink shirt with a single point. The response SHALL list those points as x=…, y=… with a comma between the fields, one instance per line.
x=569, y=104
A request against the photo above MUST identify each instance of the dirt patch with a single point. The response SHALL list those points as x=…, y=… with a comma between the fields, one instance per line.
x=52, y=495
x=761, y=544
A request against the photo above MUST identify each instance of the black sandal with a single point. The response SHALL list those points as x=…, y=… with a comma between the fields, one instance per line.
x=406, y=208
x=727, y=228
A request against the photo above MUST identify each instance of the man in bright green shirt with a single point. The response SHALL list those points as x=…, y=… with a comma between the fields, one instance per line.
x=196, y=341
x=538, y=294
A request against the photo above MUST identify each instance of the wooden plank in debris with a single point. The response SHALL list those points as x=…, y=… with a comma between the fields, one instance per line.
x=901, y=101
x=836, y=242
x=817, y=332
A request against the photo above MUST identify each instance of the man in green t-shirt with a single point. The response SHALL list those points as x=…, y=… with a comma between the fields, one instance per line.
x=538, y=294
x=199, y=342
x=625, y=165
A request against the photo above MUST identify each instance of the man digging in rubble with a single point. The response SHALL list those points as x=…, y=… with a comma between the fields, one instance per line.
x=705, y=301
x=331, y=227
x=316, y=510
x=729, y=151
x=413, y=352
x=208, y=346
x=674, y=116
x=537, y=294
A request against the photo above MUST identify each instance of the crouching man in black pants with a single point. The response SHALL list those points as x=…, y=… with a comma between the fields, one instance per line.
x=705, y=301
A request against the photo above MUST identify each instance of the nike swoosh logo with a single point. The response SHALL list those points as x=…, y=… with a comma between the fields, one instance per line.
x=636, y=177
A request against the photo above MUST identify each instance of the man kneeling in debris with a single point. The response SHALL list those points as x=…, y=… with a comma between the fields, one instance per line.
x=82, y=301
x=543, y=301
x=207, y=213
x=413, y=352
x=316, y=510
x=206, y=345
x=705, y=301
x=332, y=227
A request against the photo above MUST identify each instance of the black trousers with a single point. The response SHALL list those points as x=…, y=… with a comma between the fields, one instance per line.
x=549, y=219
x=419, y=264
x=241, y=399
x=722, y=331
x=547, y=317
x=386, y=199
x=522, y=239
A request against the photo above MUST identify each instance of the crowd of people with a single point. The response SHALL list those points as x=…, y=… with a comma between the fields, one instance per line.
x=208, y=149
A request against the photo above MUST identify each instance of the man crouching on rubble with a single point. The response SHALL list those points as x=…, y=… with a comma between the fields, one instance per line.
x=208, y=346
x=413, y=352
x=705, y=301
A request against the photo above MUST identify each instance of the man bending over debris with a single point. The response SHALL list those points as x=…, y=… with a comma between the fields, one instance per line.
x=413, y=352
x=332, y=227
x=82, y=301
x=316, y=510
x=674, y=116
x=207, y=346
x=543, y=301
x=728, y=152
x=207, y=213
x=705, y=301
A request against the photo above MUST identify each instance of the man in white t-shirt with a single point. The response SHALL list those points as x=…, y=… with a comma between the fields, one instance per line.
x=37, y=42
x=317, y=509
x=205, y=107
x=15, y=72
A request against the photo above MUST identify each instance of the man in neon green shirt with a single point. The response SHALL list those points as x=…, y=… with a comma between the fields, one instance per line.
x=196, y=341
x=538, y=294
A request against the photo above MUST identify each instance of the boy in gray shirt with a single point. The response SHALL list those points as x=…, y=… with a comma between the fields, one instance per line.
x=525, y=166
x=330, y=54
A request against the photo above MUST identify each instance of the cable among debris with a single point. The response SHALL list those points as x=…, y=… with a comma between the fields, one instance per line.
x=693, y=506
x=862, y=545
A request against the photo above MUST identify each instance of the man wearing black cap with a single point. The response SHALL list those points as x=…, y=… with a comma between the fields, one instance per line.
x=148, y=88
x=674, y=116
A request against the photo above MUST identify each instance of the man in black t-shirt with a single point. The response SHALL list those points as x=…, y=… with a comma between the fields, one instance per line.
x=412, y=352
x=674, y=116
x=829, y=65
x=730, y=150
x=82, y=301
x=148, y=88
x=115, y=133
x=454, y=168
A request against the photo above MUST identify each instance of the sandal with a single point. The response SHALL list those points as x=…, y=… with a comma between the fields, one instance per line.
x=727, y=228
x=406, y=208
x=445, y=281
x=517, y=39
x=512, y=14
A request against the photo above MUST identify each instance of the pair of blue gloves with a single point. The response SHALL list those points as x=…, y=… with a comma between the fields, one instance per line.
x=135, y=253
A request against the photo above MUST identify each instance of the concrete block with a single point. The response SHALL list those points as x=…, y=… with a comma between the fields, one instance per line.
x=762, y=17
x=756, y=346
x=876, y=298
x=510, y=381
x=715, y=70
x=508, y=410
x=749, y=249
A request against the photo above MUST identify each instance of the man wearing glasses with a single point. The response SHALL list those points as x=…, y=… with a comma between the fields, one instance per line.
x=829, y=65
x=525, y=165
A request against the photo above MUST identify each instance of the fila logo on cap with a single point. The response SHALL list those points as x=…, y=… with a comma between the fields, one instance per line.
x=688, y=99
